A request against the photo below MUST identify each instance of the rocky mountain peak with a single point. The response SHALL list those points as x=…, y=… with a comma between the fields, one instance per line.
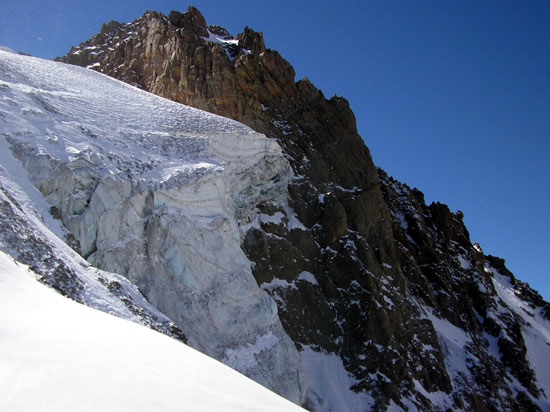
x=192, y=21
x=365, y=274
x=110, y=27
x=251, y=40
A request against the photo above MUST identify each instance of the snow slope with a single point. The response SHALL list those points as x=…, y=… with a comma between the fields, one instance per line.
x=535, y=329
x=58, y=355
x=148, y=189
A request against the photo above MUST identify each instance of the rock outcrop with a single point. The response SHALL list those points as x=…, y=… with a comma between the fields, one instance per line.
x=358, y=264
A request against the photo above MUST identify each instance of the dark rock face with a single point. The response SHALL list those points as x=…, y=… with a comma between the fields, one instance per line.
x=452, y=277
x=374, y=271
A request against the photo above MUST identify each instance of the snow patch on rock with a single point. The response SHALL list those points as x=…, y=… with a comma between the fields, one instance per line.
x=330, y=386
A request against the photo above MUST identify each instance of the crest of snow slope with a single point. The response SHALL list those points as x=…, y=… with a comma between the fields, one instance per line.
x=58, y=355
x=155, y=191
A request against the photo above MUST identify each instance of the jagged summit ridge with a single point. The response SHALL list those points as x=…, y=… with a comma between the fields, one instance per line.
x=367, y=278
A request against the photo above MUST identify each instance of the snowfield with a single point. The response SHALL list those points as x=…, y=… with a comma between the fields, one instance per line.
x=58, y=355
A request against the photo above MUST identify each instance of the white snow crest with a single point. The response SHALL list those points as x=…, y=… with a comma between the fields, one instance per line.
x=308, y=277
x=6, y=49
x=225, y=41
x=277, y=283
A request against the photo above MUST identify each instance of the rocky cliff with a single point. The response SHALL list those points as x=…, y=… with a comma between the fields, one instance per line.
x=360, y=267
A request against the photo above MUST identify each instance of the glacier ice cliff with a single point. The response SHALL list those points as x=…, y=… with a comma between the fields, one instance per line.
x=157, y=192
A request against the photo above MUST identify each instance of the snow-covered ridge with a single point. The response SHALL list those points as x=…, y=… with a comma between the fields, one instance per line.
x=154, y=191
x=6, y=49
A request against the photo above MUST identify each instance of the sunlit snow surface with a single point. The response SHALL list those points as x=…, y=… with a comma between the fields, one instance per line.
x=58, y=355
x=128, y=125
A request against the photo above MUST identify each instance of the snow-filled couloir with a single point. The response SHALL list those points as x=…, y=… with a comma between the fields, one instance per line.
x=154, y=191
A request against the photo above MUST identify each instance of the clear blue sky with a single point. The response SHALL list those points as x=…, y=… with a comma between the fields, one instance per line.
x=452, y=97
